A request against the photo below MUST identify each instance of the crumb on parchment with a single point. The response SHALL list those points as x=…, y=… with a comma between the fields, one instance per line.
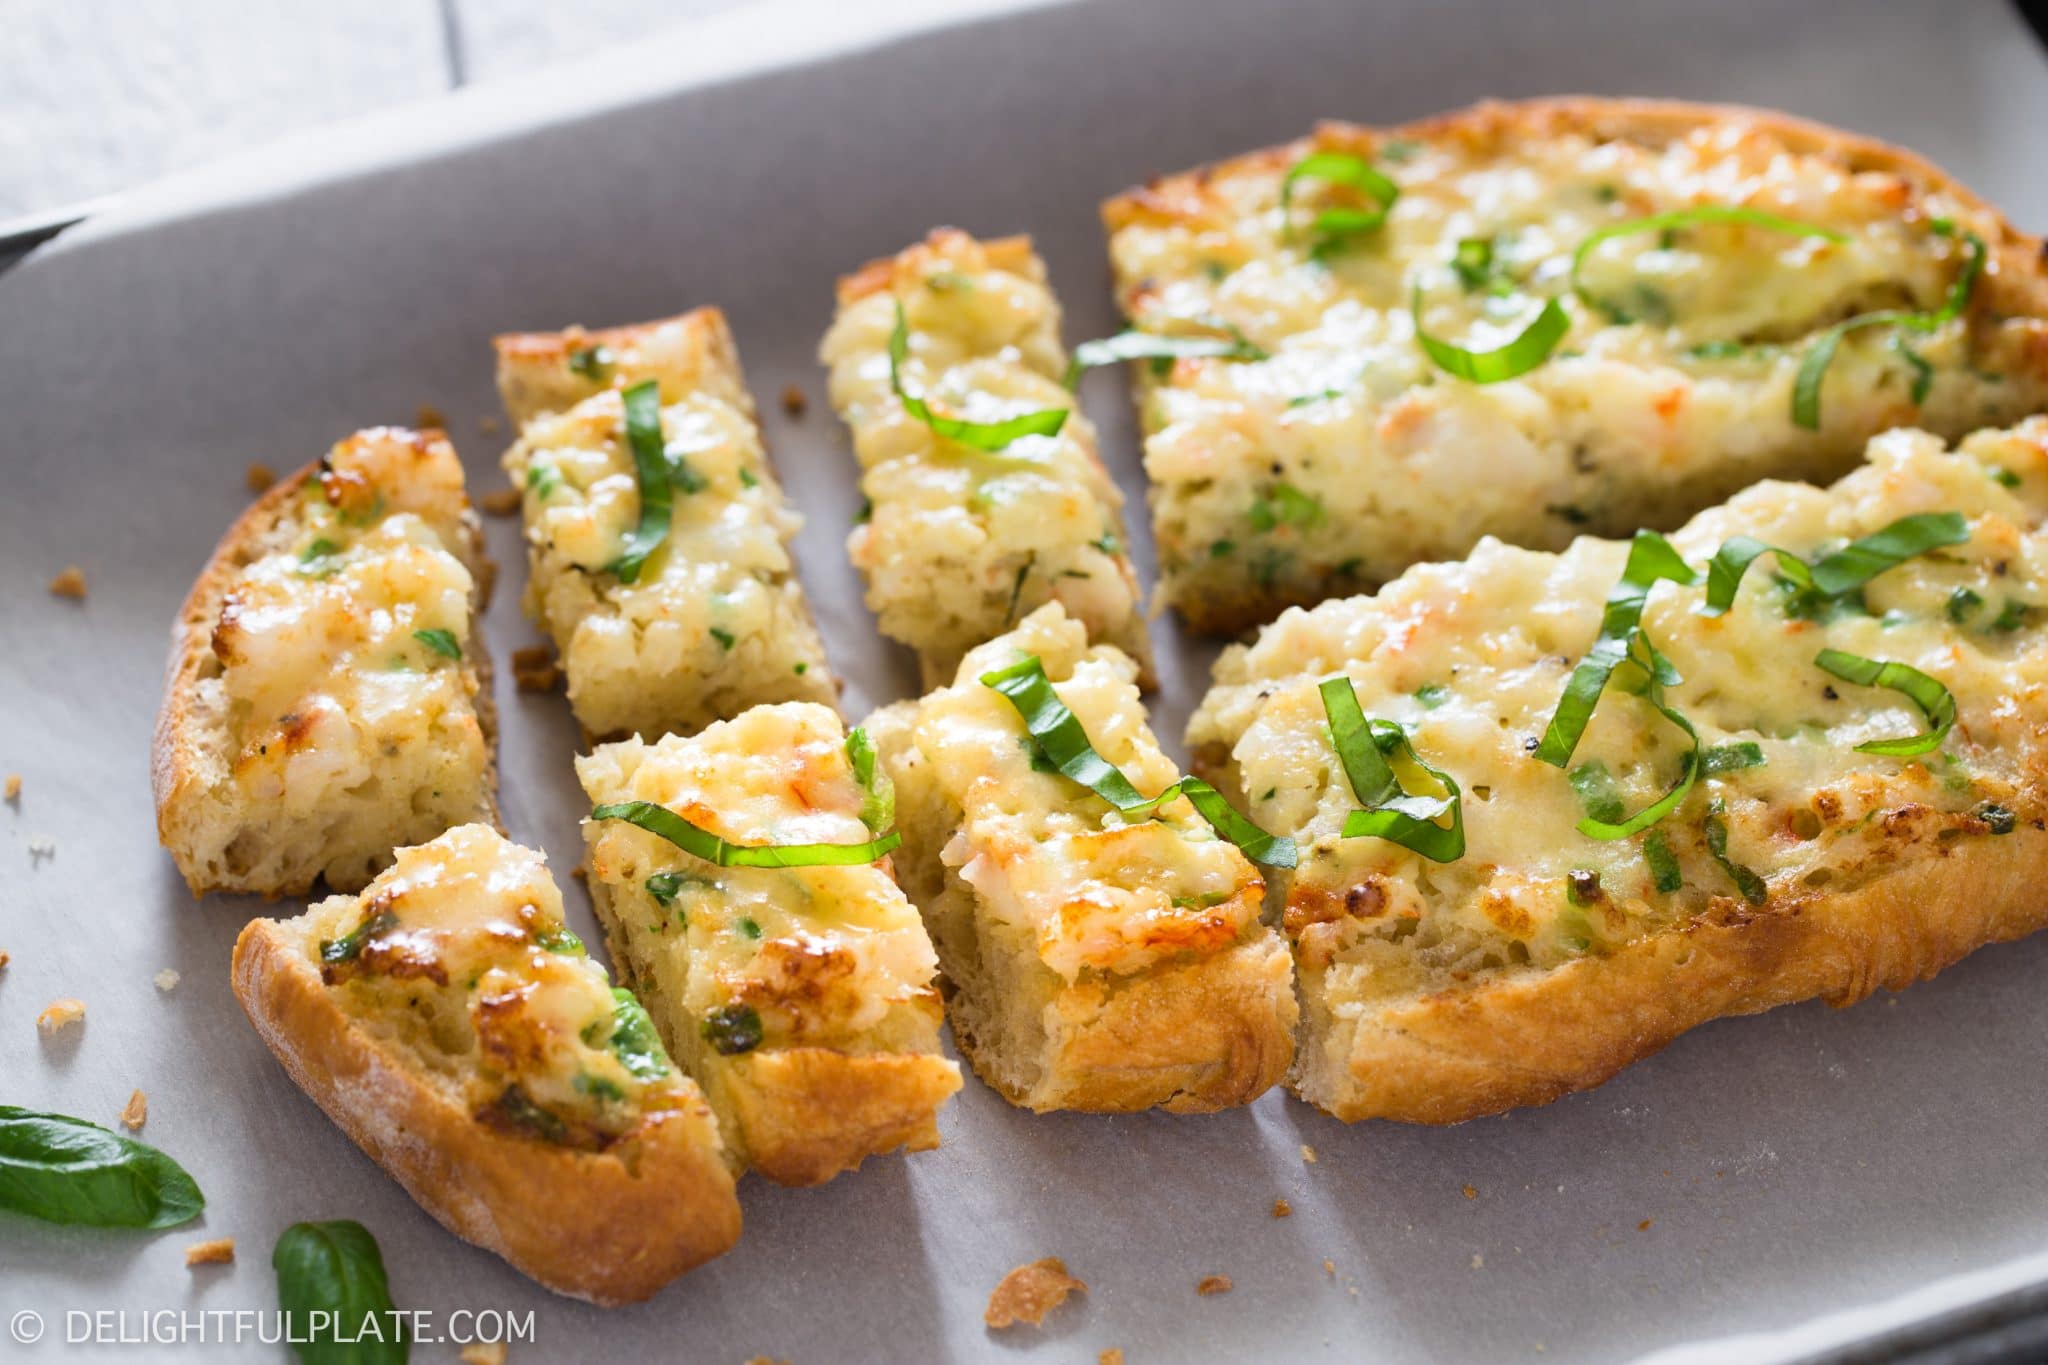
x=70, y=583
x=534, y=669
x=166, y=980
x=1113, y=1356
x=489, y=1353
x=5, y=958
x=430, y=417
x=258, y=477
x=793, y=401
x=1213, y=1284
x=41, y=846
x=59, y=1015
x=1644, y=1226
x=1282, y=1209
x=1308, y=1154
x=1471, y=1193
x=489, y=425
x=219, y=1251
x=502, y=502
x=13, y=790
x=1031, y=1291
x=135, y=1113
x=1478, y=1261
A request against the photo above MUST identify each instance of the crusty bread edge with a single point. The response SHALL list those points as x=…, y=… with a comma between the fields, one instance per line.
x=608, y=1227
x=1013, y=254
x=174, y=747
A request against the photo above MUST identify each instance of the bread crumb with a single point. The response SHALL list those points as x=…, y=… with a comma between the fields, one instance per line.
x=1282, y=1209
x=61, y=1014
x=166, y=980
x=1471, y=1193
x=1308, y=1154
x=1644, y=1226
x=1478, y=1261
x=1330, y=1268
x=4, y=960
x=41, y=846
x=793, y=401
x=1213, y=1284
x=258, y=477
x=501, y=503
x=430, y=416
x=533, y=668
x=581, y=872
x=493, y=1353
x=13, y=792
x=219, y=1251
x=1031, y=1291
x=136, y=1112
x=489, y=425
x=1113, y=1356
x=70, y=583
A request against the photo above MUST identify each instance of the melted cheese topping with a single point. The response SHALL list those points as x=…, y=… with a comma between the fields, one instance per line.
x=1044, y=853
x=716, y=620
x=1472, y=658
x=460, y=946
x=333, y=646
x=1348, y=455
x=825, y=956
x=958, y=542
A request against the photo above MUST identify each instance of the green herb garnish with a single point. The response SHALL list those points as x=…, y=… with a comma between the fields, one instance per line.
x=1684, y=218
x=442, y=642
x=1334, y=226
x=1753, y=888
x=592, y=362
x=650, y=463
x=1833, y=576
x=1521, y=354
x=726, y=639
x=878, y=793
x=632, y=1039
x=979, y=435
x=561, y=940
x=1432, y=695
x=65, y=1170
x=1664, y=871
x=1286, y=505
x=1135, y=345
x=733, y=1029
x=1935, y=701
x=334, y=1295
x=1962, y=605
x=350, y=945
x=1387, y=812
x=702, y=843
x=1651, y=560
x=1732, y=758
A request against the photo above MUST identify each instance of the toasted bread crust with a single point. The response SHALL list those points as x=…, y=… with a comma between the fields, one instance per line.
x=177, y=742
x=811, y=1112
x=693, y=350
x=879, y=276
x=2014, y=284
x=611, y=1227
x=1535, y=1036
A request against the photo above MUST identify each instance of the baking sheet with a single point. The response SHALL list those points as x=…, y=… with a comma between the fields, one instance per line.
x=1765, y=1189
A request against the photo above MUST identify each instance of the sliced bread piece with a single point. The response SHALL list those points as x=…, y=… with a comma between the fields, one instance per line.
x=800, y=997
x=327, y=699
x=455, y=1029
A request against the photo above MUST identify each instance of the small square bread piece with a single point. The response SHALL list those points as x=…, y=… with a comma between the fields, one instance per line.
x=802, y=998
x=327, y=696
x=959, y=544
x=455, y=1029
x=1543, y=960
x=1348, y=455
x=1095, y=965
x=716, y=620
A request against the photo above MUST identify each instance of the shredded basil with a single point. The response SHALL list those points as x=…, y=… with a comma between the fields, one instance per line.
x=702, y=843
x=878, y=793
x=1334, y=226
x=1935, y=701
x=350, y=945
x=664, y=887
x=1813, y=370
x=1833, y=576
x=1521, y=354
x=1057, y=736
x=1732, y=758
x=1135, y=345
x=630, y=1035
x=1684, y=218
x=1387, y=812
x=1753, y=888
x=442, y=642
x=651, y=468
x=733, y=1029
x=1664, y=871
x=979, y=435
x=1962, y=605
x=1653, y=672
x=1651, y=560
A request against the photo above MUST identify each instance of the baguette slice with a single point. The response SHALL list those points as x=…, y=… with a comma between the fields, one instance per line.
x=1348, y=455
x=1095, y=965
x=717, y=620
x=328, y=694
x=800, y=998
x=1543, y=960
x=457, y=1032
x=959, y=544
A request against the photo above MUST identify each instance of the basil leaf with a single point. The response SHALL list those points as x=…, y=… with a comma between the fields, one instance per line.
x=442, y=642
x=733, y=1029
x=1813, y=370
x=1935, y=701
x=350, y=945
x=1684, y=218
x=1598, y=794
x=1656, y=672
x=979, y=435
x=1135, y=345
x=1732, y=758
x=702, y=843
x=1664, y=872
x=664, y=887
x=878, y=799
x=1389, y=813
x=1754, y=889
x=651, y=468
x=336, y=1301
x=1651, y=560
x=1834, y=575
x=1523, y=353
x=65, y=1170
x=1332, y=226
x=633, y=1040
x=1058, y=737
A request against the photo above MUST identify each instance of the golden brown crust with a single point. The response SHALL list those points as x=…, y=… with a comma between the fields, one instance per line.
x=1534, y=1036
x=2015, y=282
x=176, y=776
x=811, y=1112
x=611, y=1226
x=691, y=351
x=880, y=276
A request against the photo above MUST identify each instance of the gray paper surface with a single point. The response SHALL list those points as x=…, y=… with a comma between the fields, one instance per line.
x=1765, y=1188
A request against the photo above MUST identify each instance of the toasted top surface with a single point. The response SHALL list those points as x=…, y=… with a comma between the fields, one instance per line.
x=1681, y=354
x=821, y=953
x=458, y=952
x=541, y=372
x=1471, y=658
x=1046, y=853
x=347, y=628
